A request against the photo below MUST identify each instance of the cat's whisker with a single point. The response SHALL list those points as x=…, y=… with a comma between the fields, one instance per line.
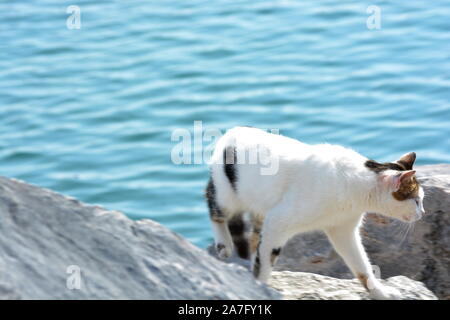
x=398, y=229
x=401, y=230
x=411, y=232
x=398, y=226
x=407, y=233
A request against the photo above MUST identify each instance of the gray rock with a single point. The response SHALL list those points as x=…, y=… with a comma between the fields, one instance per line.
x=43, y=233
x=309, y=286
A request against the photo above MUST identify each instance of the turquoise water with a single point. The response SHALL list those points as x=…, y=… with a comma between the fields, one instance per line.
x=89, y=112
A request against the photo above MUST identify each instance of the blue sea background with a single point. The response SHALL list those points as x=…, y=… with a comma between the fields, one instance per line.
x=90, y=112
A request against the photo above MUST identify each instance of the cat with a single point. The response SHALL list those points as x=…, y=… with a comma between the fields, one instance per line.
x=316, y=187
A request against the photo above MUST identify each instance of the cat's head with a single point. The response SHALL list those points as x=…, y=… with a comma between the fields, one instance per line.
x=401, y=195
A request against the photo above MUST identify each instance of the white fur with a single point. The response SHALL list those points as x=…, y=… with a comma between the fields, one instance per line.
x=309, y=187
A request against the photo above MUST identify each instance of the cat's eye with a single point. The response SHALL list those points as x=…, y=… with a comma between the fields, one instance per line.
x=417, y=202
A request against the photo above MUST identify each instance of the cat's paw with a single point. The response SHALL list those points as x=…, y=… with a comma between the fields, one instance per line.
x=385, y=293
x=223, y=251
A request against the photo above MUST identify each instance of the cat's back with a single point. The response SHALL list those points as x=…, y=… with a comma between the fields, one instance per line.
x=286, y=147
x=249, y=137
x=293, y=156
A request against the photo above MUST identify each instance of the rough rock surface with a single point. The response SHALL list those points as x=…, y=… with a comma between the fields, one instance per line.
x=308, y=286
x=423, y=254
x=43, y=234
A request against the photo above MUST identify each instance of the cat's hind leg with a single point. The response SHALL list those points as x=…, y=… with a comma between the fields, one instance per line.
x=219, y=219
x=275, y=233
x=255, y=235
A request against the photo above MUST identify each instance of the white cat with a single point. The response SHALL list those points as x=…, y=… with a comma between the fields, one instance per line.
x=315, y=187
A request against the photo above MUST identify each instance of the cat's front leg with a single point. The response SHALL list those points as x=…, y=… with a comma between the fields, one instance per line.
x=382, y=292
x=376, y=289
x=347, y=242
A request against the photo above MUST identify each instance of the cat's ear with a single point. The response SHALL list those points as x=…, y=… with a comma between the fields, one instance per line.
x=394, y=179
x=407, y=160
x=406, y=175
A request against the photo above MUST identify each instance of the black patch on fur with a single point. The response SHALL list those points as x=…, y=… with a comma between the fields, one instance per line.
x=380, y=167
x=242, y=248
x=214, y=210
x=405, y=165
x=276, y=251
x=274, y=255
x=237, y=225
x=229, y=165
x=238, y=230
x=257, y=266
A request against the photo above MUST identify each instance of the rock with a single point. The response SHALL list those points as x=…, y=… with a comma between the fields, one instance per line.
x=309, y=286
x=422, y=255
x=46, y=238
